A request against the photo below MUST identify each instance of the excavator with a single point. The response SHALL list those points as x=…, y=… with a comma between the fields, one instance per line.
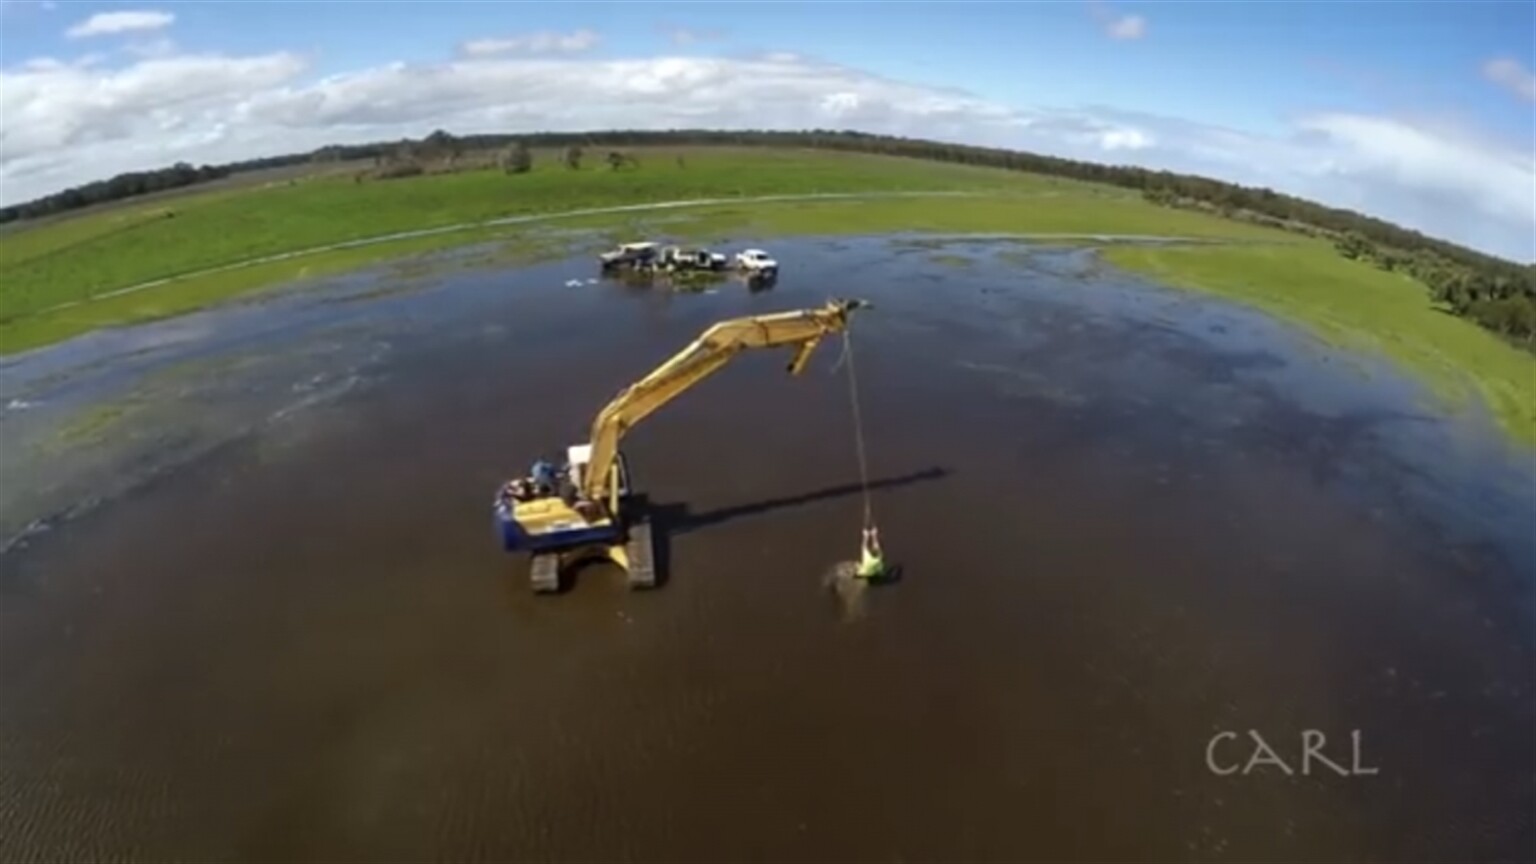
x=585, y=511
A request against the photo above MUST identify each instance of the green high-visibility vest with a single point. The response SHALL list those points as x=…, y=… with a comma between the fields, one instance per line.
x=871, y=565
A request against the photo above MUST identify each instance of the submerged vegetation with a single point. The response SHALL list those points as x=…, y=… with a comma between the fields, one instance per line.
x=1359, y=307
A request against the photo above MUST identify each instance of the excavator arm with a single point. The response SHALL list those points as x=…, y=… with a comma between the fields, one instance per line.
x=803, y=329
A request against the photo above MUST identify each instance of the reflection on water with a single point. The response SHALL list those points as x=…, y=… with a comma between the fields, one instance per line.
x=285, y=631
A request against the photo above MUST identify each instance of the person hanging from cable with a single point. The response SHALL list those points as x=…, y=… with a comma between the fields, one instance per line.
x=871, y=558
x=871, y=564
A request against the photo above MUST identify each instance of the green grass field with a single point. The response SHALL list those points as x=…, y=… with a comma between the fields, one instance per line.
x=1359, y=306
x=121, y=247
x=59, y=279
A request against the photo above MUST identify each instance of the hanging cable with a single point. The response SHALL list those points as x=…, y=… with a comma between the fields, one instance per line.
x=858, y=429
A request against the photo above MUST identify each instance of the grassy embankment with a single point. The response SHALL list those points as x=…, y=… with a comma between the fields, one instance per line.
x=59, y=280
x=1357, y=305
x=86, y=259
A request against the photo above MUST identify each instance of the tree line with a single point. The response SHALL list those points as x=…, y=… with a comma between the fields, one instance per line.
x=122, y=186
x=1498, y=294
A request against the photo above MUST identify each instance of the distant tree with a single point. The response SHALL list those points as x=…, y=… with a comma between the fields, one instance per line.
x=1448, y=289
x=1507, y=315
x=572, y=157
x=1521, y=318
x=398, y=168
x=1353, y=246
x=1389, y=260
x=441, y=147
x=517, y=159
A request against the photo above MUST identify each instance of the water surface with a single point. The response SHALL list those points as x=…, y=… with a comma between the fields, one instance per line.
x=267, y=619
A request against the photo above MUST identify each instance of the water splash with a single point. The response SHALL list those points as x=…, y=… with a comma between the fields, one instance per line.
x=847, y=590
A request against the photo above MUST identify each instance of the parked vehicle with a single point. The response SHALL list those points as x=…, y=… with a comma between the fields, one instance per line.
x=684, y=258
x=757, y=261
x=629, y=255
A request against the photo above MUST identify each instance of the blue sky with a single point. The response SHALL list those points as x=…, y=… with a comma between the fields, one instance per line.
x=1240, y=62
x=1383, y=92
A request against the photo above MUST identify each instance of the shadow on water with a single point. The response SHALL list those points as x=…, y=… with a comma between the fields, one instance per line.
x=671, y=519
x=676, y=518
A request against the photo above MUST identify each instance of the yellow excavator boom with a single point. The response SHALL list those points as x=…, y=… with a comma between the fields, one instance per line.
x=803, y=329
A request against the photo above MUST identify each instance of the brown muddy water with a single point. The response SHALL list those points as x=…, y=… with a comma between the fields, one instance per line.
x=260, y=613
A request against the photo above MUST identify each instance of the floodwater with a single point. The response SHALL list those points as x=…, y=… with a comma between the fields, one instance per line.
x=260, y=613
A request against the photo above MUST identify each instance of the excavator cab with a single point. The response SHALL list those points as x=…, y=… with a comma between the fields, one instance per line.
x=564, y=531
x=579, y=456
x=537, y=523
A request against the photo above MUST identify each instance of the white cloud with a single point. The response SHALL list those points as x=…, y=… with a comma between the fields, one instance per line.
x=685, y=36
x=43, y=64
x=1427, y=176
x=104, y=23
x=96, y=121
x=1125, y=139
x=67, y=123
x=161, y=47
x=532, y=43
x=1115, y=25
x=1127, y=27
x=52, y=64
x=1512, y=75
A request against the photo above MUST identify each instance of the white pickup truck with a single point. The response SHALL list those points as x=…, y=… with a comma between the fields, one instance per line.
x=757, y=261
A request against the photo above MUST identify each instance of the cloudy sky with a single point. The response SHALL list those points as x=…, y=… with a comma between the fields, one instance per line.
x=1423, y=113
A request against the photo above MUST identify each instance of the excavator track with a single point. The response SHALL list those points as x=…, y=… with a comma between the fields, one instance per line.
x=642, y=559
x=544, y=573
